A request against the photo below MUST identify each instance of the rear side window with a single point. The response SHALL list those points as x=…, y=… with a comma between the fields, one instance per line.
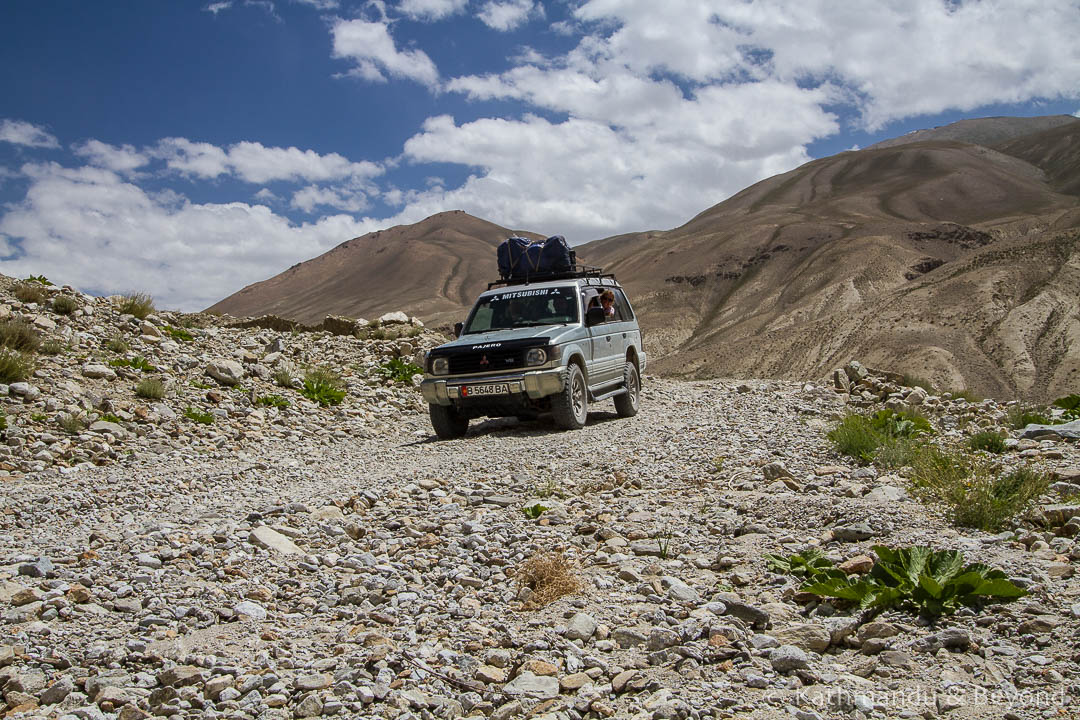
x=623, y=311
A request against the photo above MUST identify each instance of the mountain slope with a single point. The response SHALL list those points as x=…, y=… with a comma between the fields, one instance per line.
x=431, y=269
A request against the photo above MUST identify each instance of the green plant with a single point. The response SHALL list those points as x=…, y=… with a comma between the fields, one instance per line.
x=1071, y=405
x=398, y=370
x=109, y=417
x=150, y=388
x=283, y=378
x=549, y=488
x=897, y=452
x=272, y=401
x=52, y=347
x=965, y=394
x=914, y=381
x=15, y=365
x=987, y=440
x=138, y=304
x=138, y=363
x=414, y=332
x=855, y=437
x=72, y=424
x=39, y=279
x=178, y=333
x=39, y=417
x=534, y=511
x=663, y=541
x=930, y=582
x=904, y=424
x=378, y=334
x=30, y=293
x=1019, y=417
x=64, y=305
x=117, y=345
x=972, y=491
x=3, y=419
x=18, y=335
x=322, y=385
x=810, y=564
x=203, y=418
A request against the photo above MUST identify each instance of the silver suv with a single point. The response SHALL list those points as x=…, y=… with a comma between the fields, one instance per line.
x=534, y=349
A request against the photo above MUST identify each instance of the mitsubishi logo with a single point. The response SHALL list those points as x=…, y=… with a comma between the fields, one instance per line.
x=484, y=360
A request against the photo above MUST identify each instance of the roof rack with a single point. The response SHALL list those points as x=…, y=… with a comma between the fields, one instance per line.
x=575, y=272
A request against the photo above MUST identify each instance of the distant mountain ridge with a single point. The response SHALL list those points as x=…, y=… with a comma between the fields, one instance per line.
x=944, y=258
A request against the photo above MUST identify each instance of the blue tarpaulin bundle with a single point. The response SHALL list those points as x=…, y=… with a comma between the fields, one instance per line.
x=520, y=258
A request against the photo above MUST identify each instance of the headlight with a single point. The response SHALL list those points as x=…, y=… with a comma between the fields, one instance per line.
x=536, y=356
x=440, y=366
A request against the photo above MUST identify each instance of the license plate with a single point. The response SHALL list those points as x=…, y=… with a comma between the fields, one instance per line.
x=478, y=390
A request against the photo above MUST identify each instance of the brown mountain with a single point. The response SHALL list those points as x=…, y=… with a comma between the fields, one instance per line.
x=431, y=269
x=951, y=261
x=950, y=255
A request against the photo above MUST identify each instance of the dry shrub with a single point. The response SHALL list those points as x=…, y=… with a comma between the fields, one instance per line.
x=549, y=575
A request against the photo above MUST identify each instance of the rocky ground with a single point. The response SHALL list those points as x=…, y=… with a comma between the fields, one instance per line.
x=309, y=561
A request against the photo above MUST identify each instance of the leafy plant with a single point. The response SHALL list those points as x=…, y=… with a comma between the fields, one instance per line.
x=39, y=417
x=887, y=435
x=1071, y=405
x=1020, y=417
x=19, y=335
x=138, y=304
x=272, y=401
x=323, y=386
x=38, y=279
x=398, y=370
x=15, y=365
x=109, y=417
x=151, y=388
x=930, y=582
x=138, y=363
x=64, y=305
x=30, y=293
x=987, y=440
x=534, y=511
x=178, y=333
x=203, y=418
x=810, y=564
x=900, y=424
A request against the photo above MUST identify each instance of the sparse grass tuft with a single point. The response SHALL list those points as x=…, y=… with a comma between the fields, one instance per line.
x=549, y=576
x=965, y=394
x=283, y=378
x=72, y=424
x=987, y=440
x=30, y=293
x=150, y=388
x=138, y=304
x=15, y=365
x=378, y=334
x=914, y=381
x=64, y=305
x=896, y=452
x=414, y=332
x=1020, y=417
x=117, y=345
x=974, y=493
x=18, y=335
x=52, y=347
x=855, y=437
x=888, y=435
x=324, y=386
x=203, y=418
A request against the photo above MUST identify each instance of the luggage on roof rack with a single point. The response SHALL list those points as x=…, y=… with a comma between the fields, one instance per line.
x=522, y=259
x=573, y=272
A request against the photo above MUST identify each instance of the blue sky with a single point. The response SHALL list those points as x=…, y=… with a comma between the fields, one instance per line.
x=187, y=149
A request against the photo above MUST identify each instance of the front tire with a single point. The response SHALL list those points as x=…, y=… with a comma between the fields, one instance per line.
x=626, y=405
x=570, y=407
x=447, y=421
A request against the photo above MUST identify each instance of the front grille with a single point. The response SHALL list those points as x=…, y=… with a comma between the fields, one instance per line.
x=486, y=361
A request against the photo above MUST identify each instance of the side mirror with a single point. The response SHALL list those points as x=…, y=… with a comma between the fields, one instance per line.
x=594, y=316
x=458, y=326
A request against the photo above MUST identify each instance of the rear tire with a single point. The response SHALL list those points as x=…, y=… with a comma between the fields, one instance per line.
x=626, y=405
x=570, y=407
x=447, y=421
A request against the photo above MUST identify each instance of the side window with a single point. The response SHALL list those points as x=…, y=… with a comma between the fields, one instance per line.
x=622, y=308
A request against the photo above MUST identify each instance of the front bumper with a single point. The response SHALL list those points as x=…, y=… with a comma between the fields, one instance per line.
x=534, y=383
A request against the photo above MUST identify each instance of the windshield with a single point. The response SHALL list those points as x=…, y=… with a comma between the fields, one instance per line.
x=524, y=308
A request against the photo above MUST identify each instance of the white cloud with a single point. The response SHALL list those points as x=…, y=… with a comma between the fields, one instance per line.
x=199, y=159
x=216, y=7
x=312, y=196
x=430, y=10
x=19, y=132
x=371, y=47
x=90, y=228
x=320, y=4
x=506, y=15
x=124, y=159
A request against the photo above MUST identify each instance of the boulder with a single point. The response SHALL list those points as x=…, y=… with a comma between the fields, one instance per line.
x=226, y=372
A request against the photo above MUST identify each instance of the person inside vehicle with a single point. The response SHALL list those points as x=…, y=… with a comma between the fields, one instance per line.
x=607, y=301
